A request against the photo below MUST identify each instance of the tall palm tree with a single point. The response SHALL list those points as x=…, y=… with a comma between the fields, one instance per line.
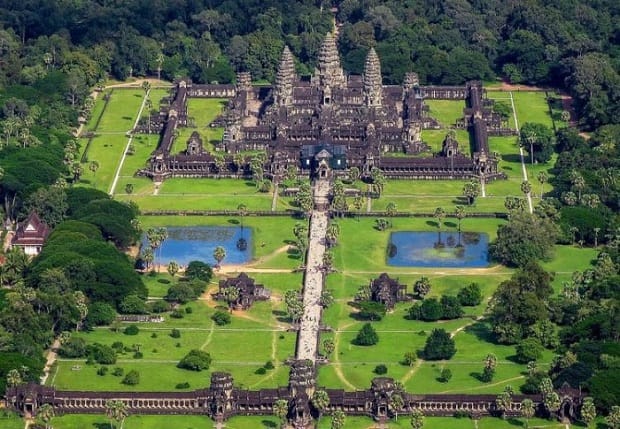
x=527, y=411
x=173, y=268
x=46, y=413
x=147, y=256
x=219, y=254
x=542, y=178
x=242, y=211
x=417, y=419
x=588, y=411
x=439, y=214
x=358, y=203
x=526, y=187
x=280, y=410
x=13, y=378
x=459, y=213
x=338, y=419
x=320, y=401
x=396, y=403
x=116, y=410
x=231, y=295
x=94, y=166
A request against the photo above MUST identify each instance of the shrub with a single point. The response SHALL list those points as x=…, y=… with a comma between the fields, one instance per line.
x=470, y=295
x=439, y=346
x=371, y=310
x=221, y=318
x=184, y=385
x=487, y=374
x=133, y=304
x=154, y=335
x=102, y=354
x=431, y=310
x=99, y=314
x=195, y=360
x=189, y=310
x=138, y=355
x=175, y=333
x=118, y=372
x=118, y=346
x=74, y=348
x=446, y=375
x=380, y=369
x=367, y=336
x=450, y=307
x=176, y=314
x=131, y=330
x=159, y=306
x=529, y=350
x=269, y=365
x=180, y=292
x=260, y=371
x=102, y=370
x=132, y=378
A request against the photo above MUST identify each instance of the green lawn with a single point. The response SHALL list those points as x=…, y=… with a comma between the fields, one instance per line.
x=82, y=421
x=447, y=112
x=435, y=138
x=10, y=420
x=441, y=423
x=203, y=111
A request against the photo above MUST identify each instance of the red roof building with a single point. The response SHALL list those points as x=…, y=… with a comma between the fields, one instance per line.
x=31, y=235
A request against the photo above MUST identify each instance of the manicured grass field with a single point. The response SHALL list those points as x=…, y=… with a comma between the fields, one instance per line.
x=435, y=138
x=82, y=421
x=446, y=111
x=11, y=421
x=203, y=111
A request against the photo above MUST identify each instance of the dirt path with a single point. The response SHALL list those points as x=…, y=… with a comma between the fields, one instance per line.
x=498, y=383
x=50, y=359
x=336, y=363
x=456, y=331
x=412, y=371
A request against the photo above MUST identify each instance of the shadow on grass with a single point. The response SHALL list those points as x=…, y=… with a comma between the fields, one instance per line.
x=515, y=422
x=450, y=224
x=234, y=221
x=103, y=426
x=512, y=157
x=128, y=118
x=482, y=331
x=269, y=424
x=250, y=183
x=281, y=316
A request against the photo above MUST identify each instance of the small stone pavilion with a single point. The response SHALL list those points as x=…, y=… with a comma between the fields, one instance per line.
x=387, y=291
x=31, y=234
x=249, y=291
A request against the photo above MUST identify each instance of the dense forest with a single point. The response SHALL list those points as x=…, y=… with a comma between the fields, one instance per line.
x=568, y=44
x=53, y=52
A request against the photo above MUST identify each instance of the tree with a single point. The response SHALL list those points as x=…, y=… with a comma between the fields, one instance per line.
x=529, y=350
x=221, y=318
x=410, y=358
x=195, y=360
x=382, y=224
x=471, y=191
x=526, y=237
x=488, y=372
x=439, y=214
x=94, y=166
x=417, y=419
x=526, y=187
x=445, y=375
x=390, y=209
x=470, y=295
x=527, y=411
x=332, y=233
x=45, y=413
x=173, y=268
x=613, y=419
x=131, y=378
x=552, y=402
x=422, y=287
x=367, y=336
x=396, y=403
x=328, y=346
x=13, y=378
x=338, y=419
x=242, y=211
x=439, y=346
x=358, y=203
x=459, y=213
x=146, y=87
x=219, y=254
x=578, y=182
x=537, y=139
x=280, y=410
x=116, y=410
x=354, y=174
x=542, y=178
x=320, y=401
x=231, y=295
x=504, y=401
x=588, y=410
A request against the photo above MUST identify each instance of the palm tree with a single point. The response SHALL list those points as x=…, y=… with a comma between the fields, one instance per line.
x=439, y=214
x=328, y=346
x=320, y=401
x=358, y=203
x=459, y=213
x=527, y=411
x=146, y=86
x=503, y=402
x=417, y=419
x=588, y=411
x=526, y=187
x=338, y=419
x=596, y=231
x=280, y=410
x=45, y=413
x=13, y=378
x=116, y=410
x=332, y=233
x=173, y=268
x=94, y=166
x=354, y=174
x=147, y=256
x=219, y=254
x=396, y=403
x=129, y=188
x=578, y=182
x=231, y=295
x=542, y=178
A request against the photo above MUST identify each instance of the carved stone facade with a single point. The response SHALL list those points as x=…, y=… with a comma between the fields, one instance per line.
x=387, y=291
x=248, y=291
x=375, y=125
x=222, y=400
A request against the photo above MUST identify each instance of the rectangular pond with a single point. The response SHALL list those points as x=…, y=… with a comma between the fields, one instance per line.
x=185, y=244
x=438, y=249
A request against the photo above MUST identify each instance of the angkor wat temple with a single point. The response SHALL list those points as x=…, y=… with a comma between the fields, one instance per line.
x=345, y=121
x=222, y=400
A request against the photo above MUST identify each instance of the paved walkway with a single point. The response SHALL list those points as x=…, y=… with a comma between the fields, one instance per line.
x=307, y=340
x=528, y=196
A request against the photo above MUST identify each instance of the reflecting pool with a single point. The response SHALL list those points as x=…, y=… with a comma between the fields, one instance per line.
x=438, y=249
x=185, y=244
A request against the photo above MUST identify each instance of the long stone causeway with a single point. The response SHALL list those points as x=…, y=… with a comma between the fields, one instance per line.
x=222, y=399
x=314, y=279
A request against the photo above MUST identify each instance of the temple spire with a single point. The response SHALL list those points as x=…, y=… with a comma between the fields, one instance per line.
x=283, y=92
x=330, y=71
x=372, y=79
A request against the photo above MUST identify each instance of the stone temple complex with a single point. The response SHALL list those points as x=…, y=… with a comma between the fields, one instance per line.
x=324, y=124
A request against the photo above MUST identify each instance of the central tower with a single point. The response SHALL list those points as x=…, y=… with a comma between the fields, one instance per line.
x=329, y=70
